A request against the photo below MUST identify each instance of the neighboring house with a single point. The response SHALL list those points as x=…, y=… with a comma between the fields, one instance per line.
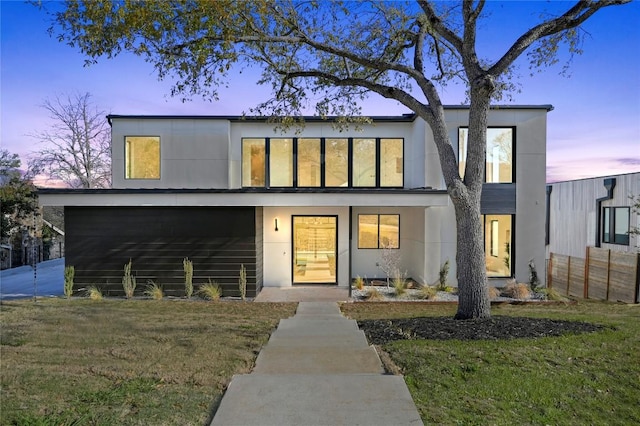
x=312, y=205
x=592, y=212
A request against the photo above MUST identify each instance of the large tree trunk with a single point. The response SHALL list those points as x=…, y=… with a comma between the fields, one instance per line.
x=473, y=294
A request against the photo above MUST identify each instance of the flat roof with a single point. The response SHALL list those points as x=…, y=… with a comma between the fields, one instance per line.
x=311, y=119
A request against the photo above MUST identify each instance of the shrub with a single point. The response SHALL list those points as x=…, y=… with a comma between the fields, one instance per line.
x=187, y=266
x=428, y=292
x=553, y=294
x=153, y=290
x=69, y=273
x=442, y=279
x=534, y=281
x=399, y=285
x=94, y=293
x=128, y=281
x=210, y=291
x=516, y=290
x=358, y=282
x=242, y=282
x=373, y=294
x=494, y=292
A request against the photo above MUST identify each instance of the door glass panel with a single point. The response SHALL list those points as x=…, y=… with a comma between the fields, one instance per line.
x=314, y=249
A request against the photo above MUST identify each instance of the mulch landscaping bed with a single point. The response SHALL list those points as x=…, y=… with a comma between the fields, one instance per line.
x=383, y=331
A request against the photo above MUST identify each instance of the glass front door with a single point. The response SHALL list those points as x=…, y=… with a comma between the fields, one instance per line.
x=314, y=249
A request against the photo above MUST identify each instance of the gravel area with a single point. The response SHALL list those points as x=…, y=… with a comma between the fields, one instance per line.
x=414, y=295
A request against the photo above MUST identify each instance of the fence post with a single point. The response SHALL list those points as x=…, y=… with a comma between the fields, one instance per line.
x=608, y=272
x=550, y=272
x=585, y=291
x=568, y=275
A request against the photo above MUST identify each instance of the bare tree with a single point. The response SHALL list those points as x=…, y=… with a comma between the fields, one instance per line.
x=76, y=149
x=332, y=55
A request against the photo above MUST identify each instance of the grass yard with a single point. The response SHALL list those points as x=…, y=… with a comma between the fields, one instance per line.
x=133, y=362
x=591, y=378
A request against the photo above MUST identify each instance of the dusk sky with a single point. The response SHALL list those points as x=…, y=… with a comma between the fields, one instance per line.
x=594, y=129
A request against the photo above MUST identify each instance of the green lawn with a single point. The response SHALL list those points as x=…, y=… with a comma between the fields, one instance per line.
x=586, y=379
x=136, y=362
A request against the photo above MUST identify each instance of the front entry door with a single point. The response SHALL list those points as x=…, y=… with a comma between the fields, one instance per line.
x=314, y=249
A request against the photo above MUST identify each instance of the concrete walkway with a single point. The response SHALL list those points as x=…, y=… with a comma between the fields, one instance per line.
x=317, y=369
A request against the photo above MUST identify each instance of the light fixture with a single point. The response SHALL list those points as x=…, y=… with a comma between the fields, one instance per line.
x=276, y=223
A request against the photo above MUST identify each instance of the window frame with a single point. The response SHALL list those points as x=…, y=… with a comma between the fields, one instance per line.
x=126, y=157
x=323, y=168
x=265, y=169
x=487, y=232
x=378, y=245
x=609, y=214
x=513, y=154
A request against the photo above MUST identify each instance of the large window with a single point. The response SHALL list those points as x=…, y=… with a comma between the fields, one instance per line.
x=336, y=162
x=323, y=162
x=253, y=162
x=378, y=231
x=498, y=245
x=281, y=162
x=499, y=158
x=142, y=157
x=615, y=225
x=364, y=162
x=309, y=162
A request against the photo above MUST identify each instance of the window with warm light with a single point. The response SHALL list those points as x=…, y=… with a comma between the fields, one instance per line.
x=142, y=157
x=498, y=245
x=376, y=231
x=499, y=153
x=253, y=162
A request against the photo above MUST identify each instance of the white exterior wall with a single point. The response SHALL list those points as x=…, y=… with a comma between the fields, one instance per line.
x=194, y=153
x=572, y=224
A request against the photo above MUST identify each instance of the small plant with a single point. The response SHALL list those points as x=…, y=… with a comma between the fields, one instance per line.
x=494, y=293
x=187, y=266
x=210, y=291
x=69, y=273
x=428, y=292
x=94, y=293
x=153, y=290
x=442, y=278
x=242, y=282
x=399, y=285
x=373, y=294
x=534, y=281
x=553, y=294
x=389, y=261
x=128, y=281
x=516, y=290
x=358, y=282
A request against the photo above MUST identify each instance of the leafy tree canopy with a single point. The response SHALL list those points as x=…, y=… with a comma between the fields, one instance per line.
x=17, y=195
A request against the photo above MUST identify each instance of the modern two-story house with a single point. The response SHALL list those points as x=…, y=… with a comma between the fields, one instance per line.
x=311, y=205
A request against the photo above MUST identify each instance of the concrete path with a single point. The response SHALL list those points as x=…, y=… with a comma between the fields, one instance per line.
x=317, y=369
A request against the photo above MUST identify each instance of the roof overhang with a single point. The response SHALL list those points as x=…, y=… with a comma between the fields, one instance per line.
x=220, y=198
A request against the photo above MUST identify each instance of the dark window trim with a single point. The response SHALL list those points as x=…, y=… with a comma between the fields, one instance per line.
x=159, y=156
x=378, y=232
x=350, y=185
x=513, y=153
x=612, y=225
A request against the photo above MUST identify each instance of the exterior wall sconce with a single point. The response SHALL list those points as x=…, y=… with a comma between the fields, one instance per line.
x=276, y=223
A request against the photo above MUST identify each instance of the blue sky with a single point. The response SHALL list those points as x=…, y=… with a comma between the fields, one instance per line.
x=594, y=129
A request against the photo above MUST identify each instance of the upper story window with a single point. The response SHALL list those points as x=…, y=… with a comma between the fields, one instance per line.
x=323, y=162
x=142, y=157
x=615, y=225
x=499, y=159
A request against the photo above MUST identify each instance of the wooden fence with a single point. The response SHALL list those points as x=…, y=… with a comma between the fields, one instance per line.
x=603, y=275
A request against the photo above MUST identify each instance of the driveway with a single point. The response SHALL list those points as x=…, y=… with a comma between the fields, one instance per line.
x=18, y=283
